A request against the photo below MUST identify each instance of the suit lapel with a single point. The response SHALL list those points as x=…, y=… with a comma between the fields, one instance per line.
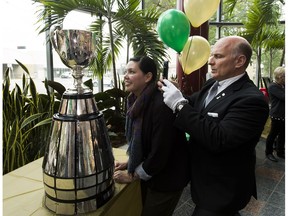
x=223, y=95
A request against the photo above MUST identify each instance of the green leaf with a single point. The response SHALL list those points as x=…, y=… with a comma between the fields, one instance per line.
x=6, y=84
x=44, y=122
x=33, y=92
x=9, y=157
x=46, y=87
x=116, y=93
x=111, y=102
x=30, y=119
x=101, y=96
x=23, y=66
x=89, y=83
x=18, y=102
x=57, y=87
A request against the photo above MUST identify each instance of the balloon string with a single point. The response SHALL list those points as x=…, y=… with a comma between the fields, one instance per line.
x=200, y=35
x=186, y=57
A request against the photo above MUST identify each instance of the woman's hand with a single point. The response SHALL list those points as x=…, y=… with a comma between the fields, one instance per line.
x=122, y=177
x=120, y=165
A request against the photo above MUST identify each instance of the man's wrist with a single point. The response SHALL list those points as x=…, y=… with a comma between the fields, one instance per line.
x=142, y=173
x=180, y=105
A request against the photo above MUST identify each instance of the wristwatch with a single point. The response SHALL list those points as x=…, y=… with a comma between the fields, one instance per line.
x=180, y=105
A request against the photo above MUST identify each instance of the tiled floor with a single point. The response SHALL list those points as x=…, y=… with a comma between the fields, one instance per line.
x=270, y=186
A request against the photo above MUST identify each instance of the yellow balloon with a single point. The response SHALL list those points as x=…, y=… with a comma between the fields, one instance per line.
x=199, y=11
x=194, y=54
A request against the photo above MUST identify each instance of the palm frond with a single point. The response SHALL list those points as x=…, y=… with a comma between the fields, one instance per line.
x=148, y=44
x=274, y=38
x=230, y=5
x=261, y=14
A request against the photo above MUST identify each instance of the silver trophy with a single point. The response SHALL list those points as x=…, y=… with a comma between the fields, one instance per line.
x=78, y=163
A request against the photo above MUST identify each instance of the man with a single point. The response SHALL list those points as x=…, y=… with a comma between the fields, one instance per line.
x=223, y=132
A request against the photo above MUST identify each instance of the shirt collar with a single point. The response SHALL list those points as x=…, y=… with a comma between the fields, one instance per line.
x=225, y=83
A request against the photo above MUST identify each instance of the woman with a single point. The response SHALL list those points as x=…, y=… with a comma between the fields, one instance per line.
x=277, y=114
x=157, y=150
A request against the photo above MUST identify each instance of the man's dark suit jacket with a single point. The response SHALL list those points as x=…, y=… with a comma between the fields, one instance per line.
x=223, y=137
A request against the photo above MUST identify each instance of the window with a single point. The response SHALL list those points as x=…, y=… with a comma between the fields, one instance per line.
x=21, y=41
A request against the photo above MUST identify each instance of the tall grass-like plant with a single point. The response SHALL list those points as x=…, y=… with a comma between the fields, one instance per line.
x=27, y=119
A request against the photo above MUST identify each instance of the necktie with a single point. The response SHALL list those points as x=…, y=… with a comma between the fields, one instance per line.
x=212, y=92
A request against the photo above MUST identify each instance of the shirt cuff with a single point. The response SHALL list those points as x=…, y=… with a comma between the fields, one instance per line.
x=141, y=173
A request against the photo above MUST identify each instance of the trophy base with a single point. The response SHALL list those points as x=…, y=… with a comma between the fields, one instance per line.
x=75, y=207
x=78, y=164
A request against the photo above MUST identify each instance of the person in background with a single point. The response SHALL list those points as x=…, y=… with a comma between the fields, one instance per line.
x=157, y=150
x=224, y=130
x=277, y=114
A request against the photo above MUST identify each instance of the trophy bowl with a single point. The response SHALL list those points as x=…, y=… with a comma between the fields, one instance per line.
x=76, y=50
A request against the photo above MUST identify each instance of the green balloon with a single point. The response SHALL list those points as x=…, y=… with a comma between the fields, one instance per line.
x=173, y=28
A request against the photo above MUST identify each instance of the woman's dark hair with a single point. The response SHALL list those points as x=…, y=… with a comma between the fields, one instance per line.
x=146, y=65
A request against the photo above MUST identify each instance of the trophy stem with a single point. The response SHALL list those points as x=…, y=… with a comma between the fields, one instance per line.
x=78, y=82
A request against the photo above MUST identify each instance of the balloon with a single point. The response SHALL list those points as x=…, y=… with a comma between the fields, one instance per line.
x=173, y=28
x=195, y=54
x=199, y=11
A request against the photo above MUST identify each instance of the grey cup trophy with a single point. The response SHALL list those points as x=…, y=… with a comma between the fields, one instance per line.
x=78, y=164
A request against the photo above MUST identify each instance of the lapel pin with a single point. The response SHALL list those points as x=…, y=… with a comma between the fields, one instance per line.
x=222, y=95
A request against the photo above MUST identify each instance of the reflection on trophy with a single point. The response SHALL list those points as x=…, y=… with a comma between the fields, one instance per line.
x=78, y=163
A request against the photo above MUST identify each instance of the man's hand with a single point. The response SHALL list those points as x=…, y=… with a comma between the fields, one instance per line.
x=172, y=95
